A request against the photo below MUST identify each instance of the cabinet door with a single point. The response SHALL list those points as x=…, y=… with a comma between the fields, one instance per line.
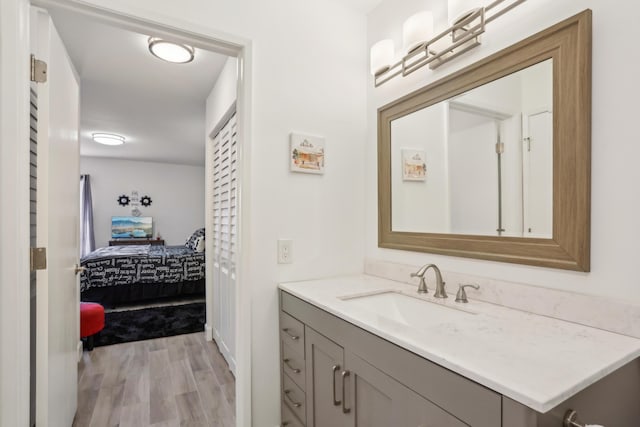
x=324, y=364
x=375, y=399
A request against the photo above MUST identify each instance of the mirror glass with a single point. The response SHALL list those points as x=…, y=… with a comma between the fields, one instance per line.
x=479, y=163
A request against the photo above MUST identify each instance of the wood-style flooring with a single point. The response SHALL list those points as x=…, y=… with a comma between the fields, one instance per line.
x=175, y=381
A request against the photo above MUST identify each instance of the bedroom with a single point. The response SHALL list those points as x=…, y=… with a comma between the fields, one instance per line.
x=164, y=112
x=158, y=172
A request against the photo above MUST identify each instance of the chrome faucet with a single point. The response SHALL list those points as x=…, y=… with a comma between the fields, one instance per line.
x=422, y=287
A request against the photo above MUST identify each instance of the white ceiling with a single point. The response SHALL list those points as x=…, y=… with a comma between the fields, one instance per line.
x=158, y=106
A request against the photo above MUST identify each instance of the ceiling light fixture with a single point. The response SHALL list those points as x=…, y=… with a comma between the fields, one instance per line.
x=171, y=52
x=468, y=23
x=108, y=138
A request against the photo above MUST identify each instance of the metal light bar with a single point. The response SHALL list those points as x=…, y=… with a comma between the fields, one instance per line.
x=465, y=35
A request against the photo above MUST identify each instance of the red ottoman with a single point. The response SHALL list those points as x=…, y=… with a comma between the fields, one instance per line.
x=91, y=321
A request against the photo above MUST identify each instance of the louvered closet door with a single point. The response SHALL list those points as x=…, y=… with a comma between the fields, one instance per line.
x=225, y=185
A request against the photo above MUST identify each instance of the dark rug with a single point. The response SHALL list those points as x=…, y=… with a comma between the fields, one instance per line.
x=149, y=323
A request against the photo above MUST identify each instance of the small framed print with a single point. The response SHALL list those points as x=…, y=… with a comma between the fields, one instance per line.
x=414, y=165
x=306, y=154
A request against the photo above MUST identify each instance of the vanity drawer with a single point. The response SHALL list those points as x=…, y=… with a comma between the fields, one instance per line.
x=288, y=419
x=292, y=332
x=294, y=397
x=293, y=364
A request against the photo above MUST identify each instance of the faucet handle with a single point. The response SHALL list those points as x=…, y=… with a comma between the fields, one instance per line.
x=422, y=287
x=461, y=296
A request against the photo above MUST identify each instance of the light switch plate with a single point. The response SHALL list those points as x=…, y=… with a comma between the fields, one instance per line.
x=285, y=255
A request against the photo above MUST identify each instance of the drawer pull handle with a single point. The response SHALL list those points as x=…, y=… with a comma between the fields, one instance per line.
x=293, y=402
x=334, y=369
x=293, y=337
x=571, y=420
x=345, y=410
x=295, y=370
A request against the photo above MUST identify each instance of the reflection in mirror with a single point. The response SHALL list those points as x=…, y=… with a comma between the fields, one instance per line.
x=480, y=163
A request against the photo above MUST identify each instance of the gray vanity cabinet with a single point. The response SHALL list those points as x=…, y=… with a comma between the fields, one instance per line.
x=324, y=365
x=335, y=374
x=377, y=400
x=346, y=391
x=355, y=379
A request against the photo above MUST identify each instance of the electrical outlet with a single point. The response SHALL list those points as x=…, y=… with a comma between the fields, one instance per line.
x=285, y=255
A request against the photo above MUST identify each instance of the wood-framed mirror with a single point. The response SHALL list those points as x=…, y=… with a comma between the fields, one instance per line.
x=457, y=174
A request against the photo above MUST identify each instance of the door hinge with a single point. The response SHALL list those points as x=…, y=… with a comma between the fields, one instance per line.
x=499, y=147
x=38, y=258
x=38, y=70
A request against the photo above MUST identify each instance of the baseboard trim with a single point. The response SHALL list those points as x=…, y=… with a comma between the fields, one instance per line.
x=79, y=349
x=208, y=332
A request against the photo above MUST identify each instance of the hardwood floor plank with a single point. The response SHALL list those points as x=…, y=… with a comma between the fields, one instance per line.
x=171, y=423
x=160, y=387
x=177, y=349
x=214, y=403
x=137, y=387
x=108, y=406
x=180, y=381
x=135, y=415
x=198, y=360
x=163, y=411
x=182, y=377
x=190, y=407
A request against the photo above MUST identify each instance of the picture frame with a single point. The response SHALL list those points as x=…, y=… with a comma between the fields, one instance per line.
x=306, y=153
x=414, y=165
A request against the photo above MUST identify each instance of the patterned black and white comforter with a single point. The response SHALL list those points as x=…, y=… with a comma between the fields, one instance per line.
x=127, y=265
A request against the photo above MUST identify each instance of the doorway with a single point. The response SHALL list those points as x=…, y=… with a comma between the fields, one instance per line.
x=235, y=47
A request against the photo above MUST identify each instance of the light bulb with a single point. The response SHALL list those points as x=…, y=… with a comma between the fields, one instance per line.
x=417, y=29
x=381, y=56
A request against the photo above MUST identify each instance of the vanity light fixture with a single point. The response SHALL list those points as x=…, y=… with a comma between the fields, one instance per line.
x=166, y=50
x=464, y=33
x=108, y=138
x=416, y=30
x=460, y=9
x=381, y=56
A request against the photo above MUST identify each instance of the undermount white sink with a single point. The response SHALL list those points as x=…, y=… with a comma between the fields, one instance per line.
x=408, y=310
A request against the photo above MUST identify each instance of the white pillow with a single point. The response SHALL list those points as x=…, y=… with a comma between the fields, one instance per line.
x=200, y=244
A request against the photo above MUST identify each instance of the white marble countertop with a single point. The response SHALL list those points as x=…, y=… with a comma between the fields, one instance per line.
x=535, y=360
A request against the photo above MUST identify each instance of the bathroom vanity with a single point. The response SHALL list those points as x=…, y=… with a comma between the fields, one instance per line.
x=365, y=351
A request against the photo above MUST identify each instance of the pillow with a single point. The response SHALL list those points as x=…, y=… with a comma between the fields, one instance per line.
x=192, y=241
x=200, y=244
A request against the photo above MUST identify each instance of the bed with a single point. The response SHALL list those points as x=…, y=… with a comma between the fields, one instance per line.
x=117, y=275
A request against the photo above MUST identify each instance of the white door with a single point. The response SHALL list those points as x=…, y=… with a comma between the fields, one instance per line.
x=225, y=202
x=57, y=327
x=538, y=175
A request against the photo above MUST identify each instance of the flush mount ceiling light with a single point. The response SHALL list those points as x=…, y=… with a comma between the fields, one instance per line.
x=468, y=22
x=108, y=138
x=170, y=51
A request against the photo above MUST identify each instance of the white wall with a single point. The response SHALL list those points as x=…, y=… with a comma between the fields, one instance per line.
x=425, y=130
x=473, y=173
x=222, y=96
x=177, y=192
x=615, y=200
x=309, y=66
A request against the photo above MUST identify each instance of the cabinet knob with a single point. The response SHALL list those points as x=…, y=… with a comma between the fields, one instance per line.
x=293, y=402
x=293, y=337
x=295, y=370
x=571, y=420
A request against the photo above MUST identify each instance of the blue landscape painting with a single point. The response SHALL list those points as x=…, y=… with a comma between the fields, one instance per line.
x=131, y=227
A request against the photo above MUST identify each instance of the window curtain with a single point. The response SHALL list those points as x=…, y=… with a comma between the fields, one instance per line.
x=87, y=238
